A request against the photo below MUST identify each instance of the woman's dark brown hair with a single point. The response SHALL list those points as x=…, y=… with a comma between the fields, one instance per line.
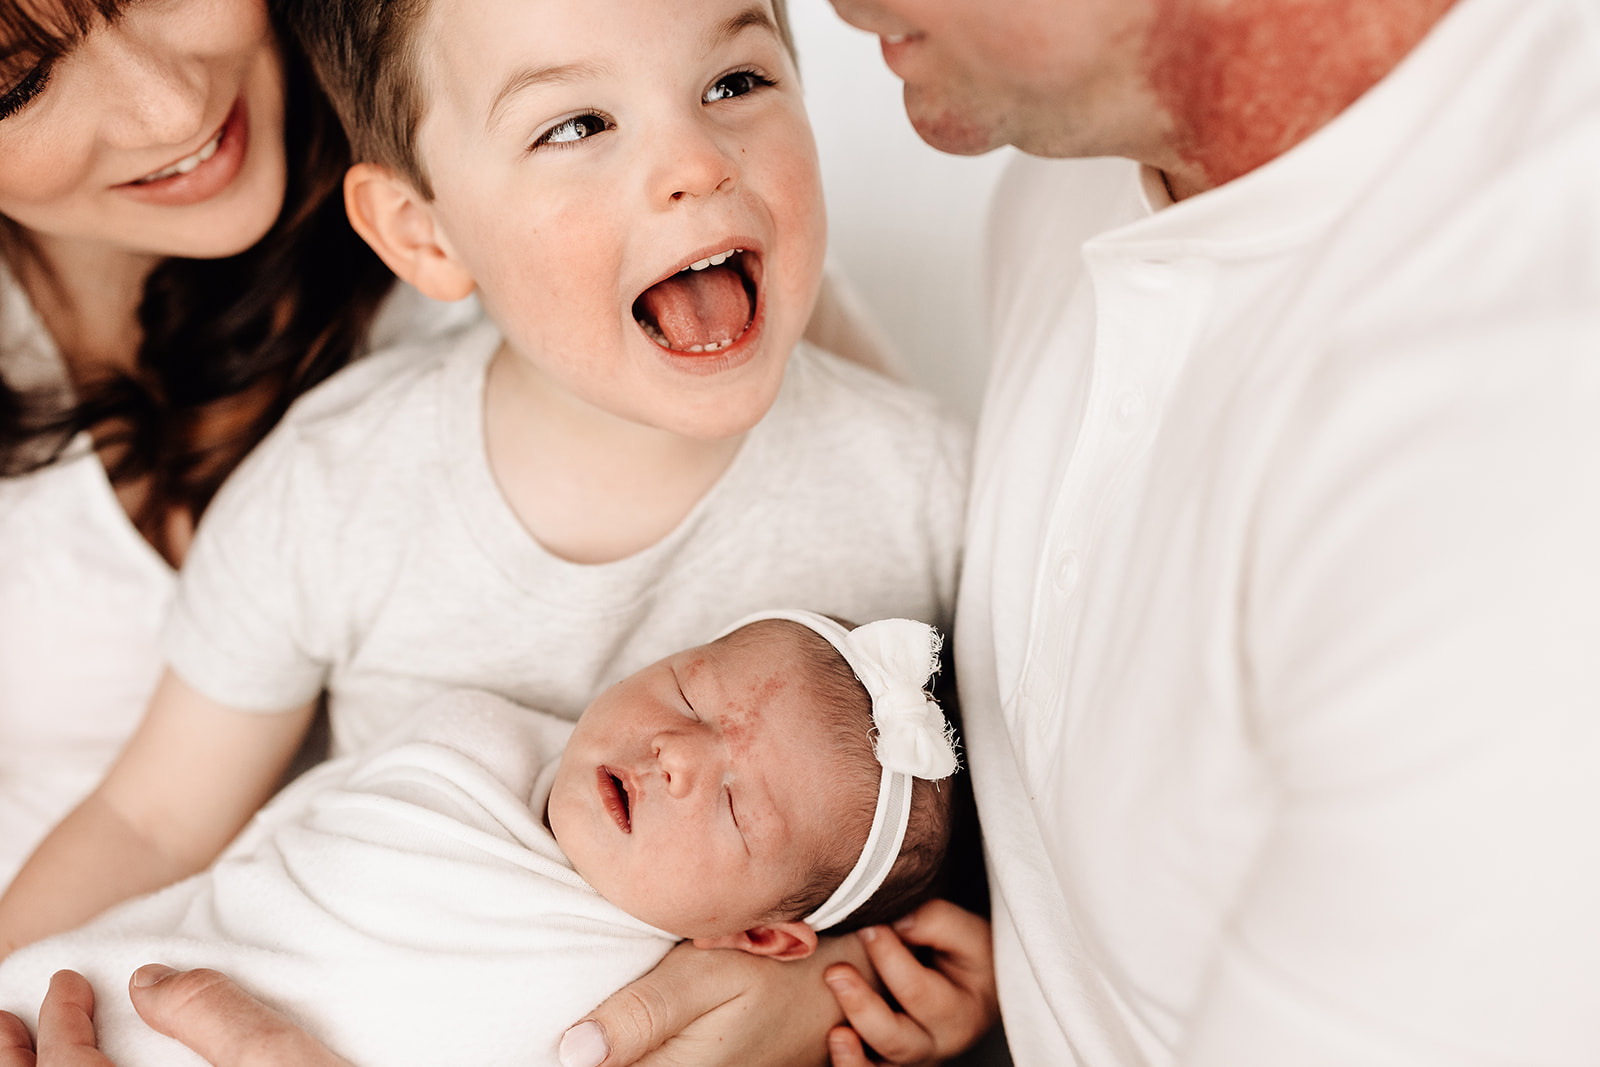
x=226, y=344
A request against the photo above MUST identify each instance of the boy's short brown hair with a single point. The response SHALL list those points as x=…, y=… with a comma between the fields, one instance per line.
x=365, y=55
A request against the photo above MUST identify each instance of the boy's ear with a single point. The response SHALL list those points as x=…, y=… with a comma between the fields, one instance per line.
x=400, y=226
x=792, y=940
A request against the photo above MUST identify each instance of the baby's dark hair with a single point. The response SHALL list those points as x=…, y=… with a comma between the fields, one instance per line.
x=843, y=699
x=365, y=54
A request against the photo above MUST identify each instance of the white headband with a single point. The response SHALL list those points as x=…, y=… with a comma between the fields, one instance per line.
x=893, y=658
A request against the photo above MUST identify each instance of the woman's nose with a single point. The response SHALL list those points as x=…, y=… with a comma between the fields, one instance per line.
x=153, y=93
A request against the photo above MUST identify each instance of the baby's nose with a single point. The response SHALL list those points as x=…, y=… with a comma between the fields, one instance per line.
x=687, y=759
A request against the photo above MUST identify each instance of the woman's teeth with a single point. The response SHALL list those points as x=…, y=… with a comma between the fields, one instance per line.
x=186, y=164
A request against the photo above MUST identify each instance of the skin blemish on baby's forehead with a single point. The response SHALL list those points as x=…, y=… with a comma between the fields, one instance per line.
x=746, y=709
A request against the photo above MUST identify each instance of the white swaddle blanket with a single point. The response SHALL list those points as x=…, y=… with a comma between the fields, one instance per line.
x=407, y=906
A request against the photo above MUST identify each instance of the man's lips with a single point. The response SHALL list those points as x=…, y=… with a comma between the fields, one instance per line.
x=614, y=796
x=895, y=46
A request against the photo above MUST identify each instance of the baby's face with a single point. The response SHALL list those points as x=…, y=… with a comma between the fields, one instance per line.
x=585, y=153
x=694, y=793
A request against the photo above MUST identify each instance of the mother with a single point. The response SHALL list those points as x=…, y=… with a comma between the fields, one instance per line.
x=174, y=269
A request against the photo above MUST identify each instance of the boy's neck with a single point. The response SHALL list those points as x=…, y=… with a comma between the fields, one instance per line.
x=589, y=486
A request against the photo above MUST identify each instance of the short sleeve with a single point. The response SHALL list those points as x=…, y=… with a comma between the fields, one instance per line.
x=240, y=627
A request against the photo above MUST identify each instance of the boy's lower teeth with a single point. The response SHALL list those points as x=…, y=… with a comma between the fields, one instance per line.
x=652, y=332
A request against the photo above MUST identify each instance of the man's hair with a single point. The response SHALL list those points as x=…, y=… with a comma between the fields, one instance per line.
x=365, y=54
x=840, y=696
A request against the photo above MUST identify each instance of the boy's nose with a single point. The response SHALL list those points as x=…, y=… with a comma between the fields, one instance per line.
x=693, y=164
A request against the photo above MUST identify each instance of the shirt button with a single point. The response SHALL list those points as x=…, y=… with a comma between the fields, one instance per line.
x=1130, y=409
x=1068, y=568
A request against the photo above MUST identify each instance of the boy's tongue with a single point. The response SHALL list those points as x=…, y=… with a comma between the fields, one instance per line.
x=699, y=307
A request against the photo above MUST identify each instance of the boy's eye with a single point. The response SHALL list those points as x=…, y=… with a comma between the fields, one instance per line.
x=25, y=91
x=572, y=130
x=738, y=83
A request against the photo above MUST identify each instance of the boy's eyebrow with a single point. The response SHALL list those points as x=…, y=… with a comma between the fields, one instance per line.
x=753, y=17
x=529, y=77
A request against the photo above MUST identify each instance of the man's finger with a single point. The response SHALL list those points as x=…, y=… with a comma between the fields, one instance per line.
x=892, y=1034
x=949, y=929
x=225, y=1025
x=16, y=1044
x=920, y=990
x=844, y=1048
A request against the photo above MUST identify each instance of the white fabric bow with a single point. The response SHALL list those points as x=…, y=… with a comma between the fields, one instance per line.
x=894, y=658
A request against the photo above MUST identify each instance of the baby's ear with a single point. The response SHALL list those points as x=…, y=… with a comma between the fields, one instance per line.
x=400, y=225
x=782, y=941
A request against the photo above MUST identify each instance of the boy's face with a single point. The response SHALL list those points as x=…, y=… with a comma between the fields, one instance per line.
x=583, y=151
x=695, y=793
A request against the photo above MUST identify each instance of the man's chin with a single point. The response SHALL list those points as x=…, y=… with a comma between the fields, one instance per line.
x=947, y=129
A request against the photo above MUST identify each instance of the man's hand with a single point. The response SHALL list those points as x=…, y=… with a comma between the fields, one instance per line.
x=945, y=1008
x=224, y=1024
x=66, y=1029
x=715, y=1007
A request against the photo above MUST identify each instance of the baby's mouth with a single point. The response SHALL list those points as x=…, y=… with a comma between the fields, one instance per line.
x=614, y=795
x=706, y=307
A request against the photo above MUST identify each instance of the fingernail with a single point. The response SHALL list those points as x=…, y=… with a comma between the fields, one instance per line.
x=838, y=982
x=904, y=923
x=584, y=1045
x=150, y=974
x=868, y=933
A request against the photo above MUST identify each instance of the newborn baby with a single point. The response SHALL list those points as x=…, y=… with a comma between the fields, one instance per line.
x=470, y=888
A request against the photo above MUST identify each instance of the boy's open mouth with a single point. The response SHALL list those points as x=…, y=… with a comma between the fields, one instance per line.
x=614, y=795
x=706, y=307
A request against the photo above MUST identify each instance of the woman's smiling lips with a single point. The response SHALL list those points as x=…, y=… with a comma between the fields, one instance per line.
x=203, y=173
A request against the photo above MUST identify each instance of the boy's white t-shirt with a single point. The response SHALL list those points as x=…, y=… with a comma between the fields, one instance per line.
x=365, y=548
x=83, y=595
x=406, y=905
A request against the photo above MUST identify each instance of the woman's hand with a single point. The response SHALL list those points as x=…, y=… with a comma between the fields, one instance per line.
x=202, y=1009
x=66, y=1029
x=225, y=1025
x=945, y=1008
x=716, y=1007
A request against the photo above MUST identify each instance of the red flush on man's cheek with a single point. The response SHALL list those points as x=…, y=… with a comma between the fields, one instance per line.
x=1248, y=82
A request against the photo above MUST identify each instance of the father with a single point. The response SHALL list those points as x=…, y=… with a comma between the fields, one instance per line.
x=1278, y=638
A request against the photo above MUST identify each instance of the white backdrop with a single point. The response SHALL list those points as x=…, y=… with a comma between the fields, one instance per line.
x=905, y=222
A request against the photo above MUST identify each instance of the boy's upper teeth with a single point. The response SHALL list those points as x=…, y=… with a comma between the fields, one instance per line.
x=714, y=261
x=187, y=163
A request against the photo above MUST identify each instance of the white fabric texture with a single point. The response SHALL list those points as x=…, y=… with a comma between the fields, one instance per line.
x=82, y=598
x=366, y=549
x=1279, y=632
x=407, y=906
